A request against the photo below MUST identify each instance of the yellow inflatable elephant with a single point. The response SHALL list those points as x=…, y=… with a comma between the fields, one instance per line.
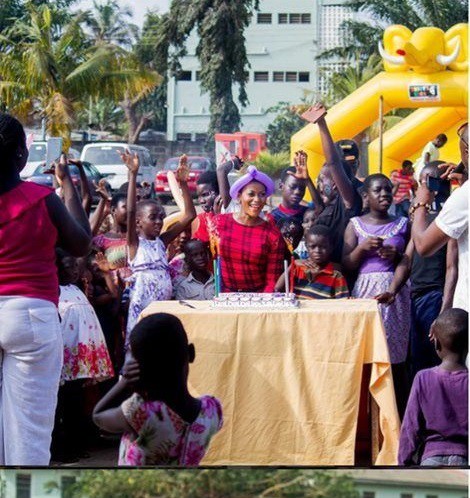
x=426, y=50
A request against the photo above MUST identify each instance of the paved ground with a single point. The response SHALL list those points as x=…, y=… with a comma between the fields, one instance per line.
x=103, y=454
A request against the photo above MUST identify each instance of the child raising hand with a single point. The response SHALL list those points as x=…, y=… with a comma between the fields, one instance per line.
x=148, y=262
x=162, y=424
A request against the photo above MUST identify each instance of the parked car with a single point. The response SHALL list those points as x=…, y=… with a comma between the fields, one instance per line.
x=37, y=156
x=197, y=164
x=47, y=179
x=105, y=157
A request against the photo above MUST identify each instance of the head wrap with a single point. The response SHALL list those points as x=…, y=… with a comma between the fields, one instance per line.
x=252, y=175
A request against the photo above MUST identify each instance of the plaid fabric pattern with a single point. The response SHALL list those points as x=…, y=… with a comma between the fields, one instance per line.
x=328, y=284
x=251, y=257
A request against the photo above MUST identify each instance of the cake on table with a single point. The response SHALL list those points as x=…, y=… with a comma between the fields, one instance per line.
x=275, y=300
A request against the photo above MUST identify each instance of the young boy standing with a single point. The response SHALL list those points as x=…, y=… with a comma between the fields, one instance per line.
x=199, y=284
x=435, y=426
x=316, y=277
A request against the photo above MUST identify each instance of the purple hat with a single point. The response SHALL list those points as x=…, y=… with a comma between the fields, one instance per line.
x=252, y=175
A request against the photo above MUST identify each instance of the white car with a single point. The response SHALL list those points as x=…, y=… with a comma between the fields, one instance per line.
x=105, y=157
x=37, y=156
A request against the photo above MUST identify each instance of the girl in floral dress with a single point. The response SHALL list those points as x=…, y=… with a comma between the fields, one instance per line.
x=151, y=279
x=86, y=357
x=162, y=424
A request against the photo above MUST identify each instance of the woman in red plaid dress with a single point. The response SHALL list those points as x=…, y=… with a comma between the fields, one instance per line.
x=251, y=249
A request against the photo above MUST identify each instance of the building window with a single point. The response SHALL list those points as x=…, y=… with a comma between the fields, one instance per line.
x=406, y=495
x=304, y=77
x=183, y=137
x=368, y=494
x=261, y=76
x=184, y=76
x=295, y=18
x=265, y=18
x=278, y=76
x=291, y=76
x=201, y=137
x=198, y=75
x=432, y=496
x=66, y=484
x=23, y=486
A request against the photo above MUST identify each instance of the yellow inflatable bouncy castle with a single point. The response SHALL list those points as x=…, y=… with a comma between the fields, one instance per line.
x=426, y=69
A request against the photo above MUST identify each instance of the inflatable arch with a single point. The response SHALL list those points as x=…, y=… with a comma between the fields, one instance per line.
x=426, y=69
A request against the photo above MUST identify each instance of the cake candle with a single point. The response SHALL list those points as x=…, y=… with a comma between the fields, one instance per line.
x=215, y=278
x=286, y=275
x=219, y=275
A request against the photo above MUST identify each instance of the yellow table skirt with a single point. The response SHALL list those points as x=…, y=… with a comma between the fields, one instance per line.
x=289, y=380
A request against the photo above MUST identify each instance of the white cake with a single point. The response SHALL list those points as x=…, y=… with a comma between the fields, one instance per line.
x=276, y=300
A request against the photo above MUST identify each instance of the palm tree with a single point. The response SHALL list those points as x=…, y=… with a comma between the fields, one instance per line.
x=52, y=70
x=109, y=23
x=342, y=84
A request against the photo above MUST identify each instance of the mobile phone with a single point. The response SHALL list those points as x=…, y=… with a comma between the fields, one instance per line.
x=313, y=115
x=53, y=150
x=438, y=185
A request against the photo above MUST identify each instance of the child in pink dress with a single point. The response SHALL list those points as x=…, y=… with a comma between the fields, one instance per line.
x=162, y=424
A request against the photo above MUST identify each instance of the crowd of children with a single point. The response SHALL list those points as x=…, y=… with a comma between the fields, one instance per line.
x=353, y=240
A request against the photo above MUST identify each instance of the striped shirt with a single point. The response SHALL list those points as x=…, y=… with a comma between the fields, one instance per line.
x=327, y=284
x=405, y=186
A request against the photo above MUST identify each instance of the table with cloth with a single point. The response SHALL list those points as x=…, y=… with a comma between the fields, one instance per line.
x=289, y=380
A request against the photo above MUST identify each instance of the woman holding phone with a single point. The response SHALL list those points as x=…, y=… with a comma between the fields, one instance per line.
x=33, y=220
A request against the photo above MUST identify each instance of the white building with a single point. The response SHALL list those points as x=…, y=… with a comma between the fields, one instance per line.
x=411, y=483
x=28, y=483
x=282, y=43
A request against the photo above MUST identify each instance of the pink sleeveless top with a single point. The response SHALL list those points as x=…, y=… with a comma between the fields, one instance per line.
x=27, y=244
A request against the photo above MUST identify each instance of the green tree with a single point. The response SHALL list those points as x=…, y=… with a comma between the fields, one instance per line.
x=50, y=69
x=363, y=36
x=286, y=122
x=221, y=51
x=155, y=104
x=109, y=23
x=214, y=483
x=9, y=11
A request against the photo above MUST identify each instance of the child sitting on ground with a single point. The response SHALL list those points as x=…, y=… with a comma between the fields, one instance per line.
x=162, y=423
x=435, y=427
x=199, y=284
x=316, y=277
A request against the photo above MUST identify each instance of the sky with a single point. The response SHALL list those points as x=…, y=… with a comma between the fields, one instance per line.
x=139, y=7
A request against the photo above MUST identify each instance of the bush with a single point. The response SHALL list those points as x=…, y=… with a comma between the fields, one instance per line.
x=272, y=164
